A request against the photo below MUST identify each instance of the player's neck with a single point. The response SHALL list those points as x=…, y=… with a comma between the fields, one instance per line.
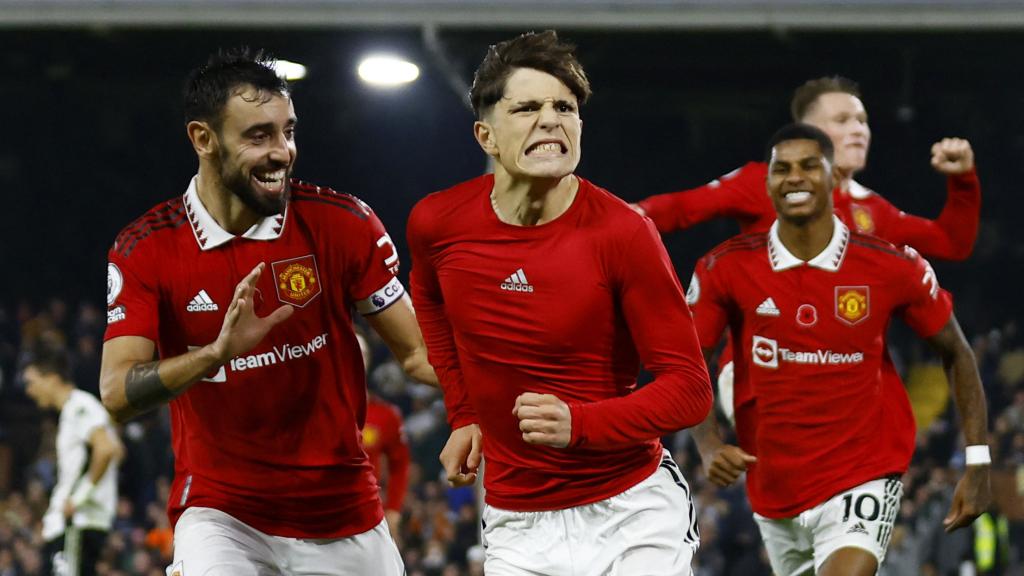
x=60, y=397
x=843, y=178
x=226, y=208
x=531, y=201
x=806, y=240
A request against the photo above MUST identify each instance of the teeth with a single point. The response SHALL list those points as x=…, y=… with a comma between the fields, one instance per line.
x=271, y=177
x=797, y=197
x=547, y=147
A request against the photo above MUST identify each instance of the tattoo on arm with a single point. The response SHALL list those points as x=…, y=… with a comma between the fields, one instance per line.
x=143, y=387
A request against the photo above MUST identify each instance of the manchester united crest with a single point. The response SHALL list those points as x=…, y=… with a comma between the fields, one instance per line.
x=853, y=303
x=297, y=280
x=862, y=220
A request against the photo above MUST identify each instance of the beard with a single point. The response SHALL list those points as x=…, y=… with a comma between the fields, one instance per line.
x=238, y=184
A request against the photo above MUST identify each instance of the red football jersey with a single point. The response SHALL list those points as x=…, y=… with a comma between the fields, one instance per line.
x=742, y=195
x=383, y=438
x=570, y=307
x=272, y=438
x=810, y=338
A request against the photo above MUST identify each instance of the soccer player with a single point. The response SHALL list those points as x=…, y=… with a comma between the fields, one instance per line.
x=834, y=105
x=808, y=304
x=244, y=286
x=82, y=504
x=539, y=294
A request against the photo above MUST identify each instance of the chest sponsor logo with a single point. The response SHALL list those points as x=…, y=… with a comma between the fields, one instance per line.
x=115, y=314
x=768, y=308
x=517, y=282
x=853, y=304
x=276, y=355
x=862, y=220
x=115, y=281
x=806, y=315
x=297, y=280
x=202, y=302
x=767, y=353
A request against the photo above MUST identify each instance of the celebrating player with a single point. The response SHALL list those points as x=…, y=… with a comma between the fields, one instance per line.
x=539, y=294
x=244, y=286
x=808, y=304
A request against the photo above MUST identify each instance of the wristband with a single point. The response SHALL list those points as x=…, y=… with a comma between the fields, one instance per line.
x=977, y=455
x=82, y=492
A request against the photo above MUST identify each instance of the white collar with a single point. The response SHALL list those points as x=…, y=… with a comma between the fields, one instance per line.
x=830, y=258
x=209, y=234
x=858, y=191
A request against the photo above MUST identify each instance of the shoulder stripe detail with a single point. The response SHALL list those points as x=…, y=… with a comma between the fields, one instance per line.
x=333, y=201
x=876, y=244
x=129, y=239
x=169, y=209
x=745, y=243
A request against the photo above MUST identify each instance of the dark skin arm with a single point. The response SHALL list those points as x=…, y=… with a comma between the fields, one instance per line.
x=973, y=492
x=723, y=463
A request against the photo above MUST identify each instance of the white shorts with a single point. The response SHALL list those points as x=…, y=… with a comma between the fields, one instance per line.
x=861, y=517
x=208, y=542
x=648, y=530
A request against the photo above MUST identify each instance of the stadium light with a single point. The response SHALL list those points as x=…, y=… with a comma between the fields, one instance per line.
x=290, y=71
x=387, y=71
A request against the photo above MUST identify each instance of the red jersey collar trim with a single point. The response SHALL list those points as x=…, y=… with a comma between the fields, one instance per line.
x=830, y=259
x=209, y=234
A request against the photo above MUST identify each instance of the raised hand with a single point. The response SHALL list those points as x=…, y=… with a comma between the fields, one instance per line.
x=952, y=156
x=242, y=328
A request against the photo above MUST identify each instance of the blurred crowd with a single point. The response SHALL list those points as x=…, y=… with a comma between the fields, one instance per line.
x=439, y=531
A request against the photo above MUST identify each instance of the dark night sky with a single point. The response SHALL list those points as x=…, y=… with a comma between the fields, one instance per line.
x=95, y=134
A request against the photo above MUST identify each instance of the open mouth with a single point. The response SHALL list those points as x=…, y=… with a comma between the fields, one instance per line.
x=546, y=148
x=270, y=181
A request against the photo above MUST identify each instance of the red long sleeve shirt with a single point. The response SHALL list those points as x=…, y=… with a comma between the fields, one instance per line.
x=570, y=308
x=741, y=195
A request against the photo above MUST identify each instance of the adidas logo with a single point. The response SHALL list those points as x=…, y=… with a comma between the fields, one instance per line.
x=857, y=528
x=202, y=303
x=767, y=308
x=517, y=282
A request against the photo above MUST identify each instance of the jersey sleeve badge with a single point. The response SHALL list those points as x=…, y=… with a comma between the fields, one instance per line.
x=297, y=280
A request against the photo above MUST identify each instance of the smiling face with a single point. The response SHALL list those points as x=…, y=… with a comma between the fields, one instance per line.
x=534, y=130
x=800, y=181
x=257, y=149
x=842, y=116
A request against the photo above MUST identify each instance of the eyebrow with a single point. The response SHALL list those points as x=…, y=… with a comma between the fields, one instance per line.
x=555, y=101
x=269, y=126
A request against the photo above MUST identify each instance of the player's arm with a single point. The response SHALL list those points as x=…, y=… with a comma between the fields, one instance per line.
x=739, y=194
x=105, y=448
x=659, y=322
x=397, y=326
x=951, y=236
x=132, y=382
x=462, y=453
x=973, y=491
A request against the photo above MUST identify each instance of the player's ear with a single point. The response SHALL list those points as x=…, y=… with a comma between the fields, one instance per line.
x=484, y=134
x=203, y=138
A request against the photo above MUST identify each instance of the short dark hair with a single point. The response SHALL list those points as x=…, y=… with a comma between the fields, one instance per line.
x=800, y=131
x=538, y=50
x=50, y=358
x=808, y=93
x=208, y=87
